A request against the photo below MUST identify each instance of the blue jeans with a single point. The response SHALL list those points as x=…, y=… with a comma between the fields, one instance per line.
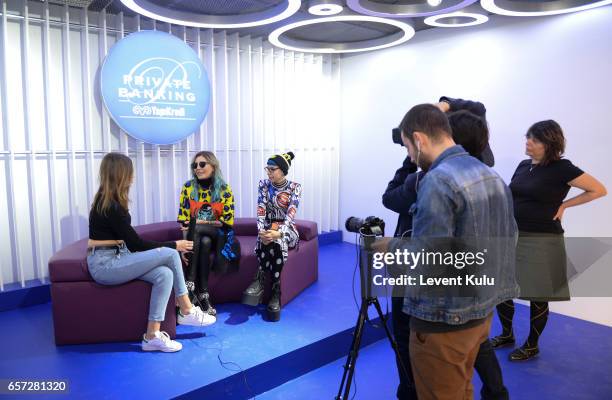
x=161, y=267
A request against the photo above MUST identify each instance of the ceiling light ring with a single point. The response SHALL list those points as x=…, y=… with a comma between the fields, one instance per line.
x=405, y=34
x=369, y=7
x=154, y=11
x=532, y=9
x=325, y=7
x=476, y=19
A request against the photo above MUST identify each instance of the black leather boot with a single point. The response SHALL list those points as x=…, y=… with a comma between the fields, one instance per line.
x=252, y=295
x=205, y=304
x=274, y=305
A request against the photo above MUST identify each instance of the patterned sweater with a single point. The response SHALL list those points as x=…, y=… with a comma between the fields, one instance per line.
x=277, y=206
x=202, y=207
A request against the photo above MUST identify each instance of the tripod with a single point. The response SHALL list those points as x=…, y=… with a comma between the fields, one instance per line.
x=366, y=300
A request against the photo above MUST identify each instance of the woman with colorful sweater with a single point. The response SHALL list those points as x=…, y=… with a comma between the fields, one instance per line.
x=206, y=213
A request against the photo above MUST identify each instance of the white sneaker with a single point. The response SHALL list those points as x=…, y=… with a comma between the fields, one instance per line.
x=161, y=342
x=196, y=318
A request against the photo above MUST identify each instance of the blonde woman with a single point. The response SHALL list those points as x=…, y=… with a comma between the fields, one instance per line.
x=206, y=212
x=116, y=254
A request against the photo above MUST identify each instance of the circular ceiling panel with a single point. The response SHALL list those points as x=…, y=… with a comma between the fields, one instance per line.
x=420, y=9
x=281, y=37
x=456, y=20
x=325, y=7
x=539, y=8
x=174, y=16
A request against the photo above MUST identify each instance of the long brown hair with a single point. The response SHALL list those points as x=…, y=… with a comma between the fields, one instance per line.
x=116, y=172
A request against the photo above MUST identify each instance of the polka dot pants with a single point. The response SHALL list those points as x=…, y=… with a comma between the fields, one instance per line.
x=270, y=258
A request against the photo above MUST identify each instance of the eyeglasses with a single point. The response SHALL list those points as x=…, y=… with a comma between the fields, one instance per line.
x=195, y=165
x=271, y=169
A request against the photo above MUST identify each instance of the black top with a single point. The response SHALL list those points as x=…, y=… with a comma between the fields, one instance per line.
x=205, y=183
x=538, y=192
x=117, y=225
x=401, y=194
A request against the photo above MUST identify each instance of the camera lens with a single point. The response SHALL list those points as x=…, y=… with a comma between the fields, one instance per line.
x=353, y=224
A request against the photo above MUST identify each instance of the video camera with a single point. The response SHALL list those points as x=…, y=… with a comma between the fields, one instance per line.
x=370, y=226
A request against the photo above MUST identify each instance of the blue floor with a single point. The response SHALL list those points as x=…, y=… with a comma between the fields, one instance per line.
x=314, y=330
x=574, y=363
x=299, y=357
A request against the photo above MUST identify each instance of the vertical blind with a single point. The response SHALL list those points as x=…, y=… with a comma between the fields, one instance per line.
x=55, y=129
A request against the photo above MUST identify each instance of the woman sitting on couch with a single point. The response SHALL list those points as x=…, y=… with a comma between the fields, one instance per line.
x=277, y=205
x=116, y=254
x=206, y=212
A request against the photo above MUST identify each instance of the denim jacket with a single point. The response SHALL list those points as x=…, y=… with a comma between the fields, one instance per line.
x=460, y=197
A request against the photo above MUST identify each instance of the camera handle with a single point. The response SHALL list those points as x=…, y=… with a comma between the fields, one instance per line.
x=366, y=300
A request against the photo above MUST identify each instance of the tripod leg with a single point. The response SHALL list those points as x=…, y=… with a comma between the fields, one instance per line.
x=389, y=335
x=351, y=359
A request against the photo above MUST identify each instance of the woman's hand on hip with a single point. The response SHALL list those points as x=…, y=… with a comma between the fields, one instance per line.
x=184, y=245
x=559, y=213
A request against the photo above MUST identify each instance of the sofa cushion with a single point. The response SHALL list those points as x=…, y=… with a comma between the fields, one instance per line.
x=160, y=231
x=70, y=263
x=248, y=227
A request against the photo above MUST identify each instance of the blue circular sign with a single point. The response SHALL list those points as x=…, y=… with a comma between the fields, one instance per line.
x=155, y=87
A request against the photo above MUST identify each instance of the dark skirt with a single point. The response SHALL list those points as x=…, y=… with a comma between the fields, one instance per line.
x=541, y=267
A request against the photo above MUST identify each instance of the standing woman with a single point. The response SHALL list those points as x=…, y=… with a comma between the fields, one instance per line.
x=539, y=186
x=277, y=203
x=206, y=212
x=116, y=254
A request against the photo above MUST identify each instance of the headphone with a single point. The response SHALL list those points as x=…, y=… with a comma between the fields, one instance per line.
x=416, y=183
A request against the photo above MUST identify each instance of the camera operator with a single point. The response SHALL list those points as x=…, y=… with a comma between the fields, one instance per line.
x=450, y=105
x=431, y=127
x=470, y=132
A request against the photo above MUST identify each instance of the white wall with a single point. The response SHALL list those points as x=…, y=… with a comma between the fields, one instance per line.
x=524, y=70
x=55, y=129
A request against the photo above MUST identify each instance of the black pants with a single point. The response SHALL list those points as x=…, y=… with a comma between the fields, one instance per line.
x=490, y=374
x=401, y=330
x=486, y=363
x=270, y=258
x=205, y=242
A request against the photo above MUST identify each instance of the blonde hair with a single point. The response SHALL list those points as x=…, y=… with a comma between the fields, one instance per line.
x=116, y=173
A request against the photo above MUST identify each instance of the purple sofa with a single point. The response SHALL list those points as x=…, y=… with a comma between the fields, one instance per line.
x=119, y=313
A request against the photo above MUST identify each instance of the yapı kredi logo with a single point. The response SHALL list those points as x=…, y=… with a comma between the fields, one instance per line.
x=155, y=87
